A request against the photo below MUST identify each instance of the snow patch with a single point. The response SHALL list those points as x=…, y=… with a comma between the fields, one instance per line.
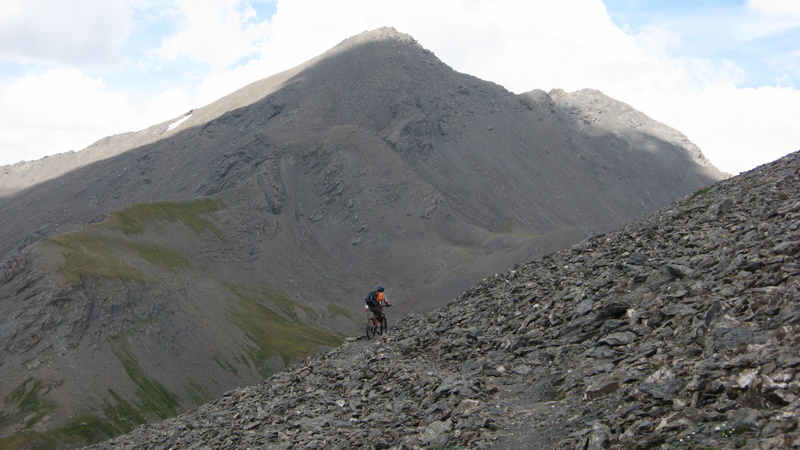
x=175, y=124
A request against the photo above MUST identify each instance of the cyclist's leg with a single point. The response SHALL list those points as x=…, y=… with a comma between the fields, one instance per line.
x=375, y=317
x=384, y=323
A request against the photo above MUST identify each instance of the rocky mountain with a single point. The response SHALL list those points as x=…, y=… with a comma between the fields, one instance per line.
x=153, y=271
x=677, y=331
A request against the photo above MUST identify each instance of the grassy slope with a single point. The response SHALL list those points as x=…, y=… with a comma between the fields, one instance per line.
x=272, y=324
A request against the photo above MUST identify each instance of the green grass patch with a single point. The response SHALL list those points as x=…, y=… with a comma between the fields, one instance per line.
x=513, y=229
x=270, y=333
x=225, y=365
x=282, y=303
x=26, y=396
x=90, y=428
x=702, y=191
x=122, y=413
x=197, y=394
x=115, y=416
x=27, y=403
x=86, y=255
x=337, y=310
x=154, y=399
x=161, y=257
x=118, y=415
x=85, y=429
x=133, y=219
x=29, y=408
x=30, y=440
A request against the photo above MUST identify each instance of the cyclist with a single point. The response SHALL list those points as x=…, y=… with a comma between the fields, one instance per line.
x=379, y=300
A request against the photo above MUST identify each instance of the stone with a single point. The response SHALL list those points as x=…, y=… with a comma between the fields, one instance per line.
x=679, y=270
x=584, y=307
x=437, y=434
x=578, y=349
x=522, y=369
x=602, y=388
x=617, y=339
x=599, y=437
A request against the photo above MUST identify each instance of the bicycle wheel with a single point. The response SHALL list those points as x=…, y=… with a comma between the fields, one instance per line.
x=384, y=325
x=370, y=329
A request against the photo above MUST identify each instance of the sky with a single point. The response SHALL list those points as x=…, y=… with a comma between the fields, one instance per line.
x=725, y=73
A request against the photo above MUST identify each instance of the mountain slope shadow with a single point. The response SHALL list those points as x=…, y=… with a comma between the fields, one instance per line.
x=678, y=329
x=144, y=282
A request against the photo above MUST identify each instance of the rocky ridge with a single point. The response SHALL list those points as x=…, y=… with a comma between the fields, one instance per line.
x=677, y=331
x=156, y=270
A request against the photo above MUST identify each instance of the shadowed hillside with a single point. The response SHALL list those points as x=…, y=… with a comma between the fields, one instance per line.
x=155, y=270
x=677, y=331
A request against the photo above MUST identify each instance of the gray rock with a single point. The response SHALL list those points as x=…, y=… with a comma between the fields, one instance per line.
x=617, y=339
x=715, y=368
x=679, y=270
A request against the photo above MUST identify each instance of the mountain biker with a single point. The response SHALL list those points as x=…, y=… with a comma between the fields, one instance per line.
x=377, y=310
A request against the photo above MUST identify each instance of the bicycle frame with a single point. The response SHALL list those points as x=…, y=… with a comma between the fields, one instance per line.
x=371, y=329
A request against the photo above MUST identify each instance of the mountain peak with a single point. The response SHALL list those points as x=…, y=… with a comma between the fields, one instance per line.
x=245, y=237
x=380, y=34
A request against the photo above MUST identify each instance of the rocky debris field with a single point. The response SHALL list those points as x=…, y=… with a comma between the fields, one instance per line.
x=678, y=331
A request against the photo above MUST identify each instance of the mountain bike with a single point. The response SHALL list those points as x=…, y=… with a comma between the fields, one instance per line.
x=372, y=330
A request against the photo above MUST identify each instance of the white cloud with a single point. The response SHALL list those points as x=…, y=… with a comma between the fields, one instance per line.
x=11, y=9
x=739, y=129
x=65, y=92
x=165, y=105
x=216, y=32
x=77, y=33
x=220, y=84
x=55, y=111
x=62, y=109
x=776, y=7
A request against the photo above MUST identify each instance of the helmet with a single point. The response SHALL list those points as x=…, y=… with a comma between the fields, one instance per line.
x=380, y=289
